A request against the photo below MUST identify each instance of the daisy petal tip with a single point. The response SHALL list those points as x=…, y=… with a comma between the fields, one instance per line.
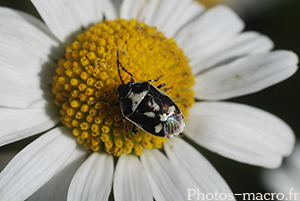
x=276, y=164
x=245, y=75
x=292, y=55
x=260, y=138
x=268, y=41
x=278, y=160
x=289, y=56
x=290, y=59
x=229, y=12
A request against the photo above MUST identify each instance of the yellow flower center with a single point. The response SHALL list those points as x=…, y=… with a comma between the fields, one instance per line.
x=89, y=70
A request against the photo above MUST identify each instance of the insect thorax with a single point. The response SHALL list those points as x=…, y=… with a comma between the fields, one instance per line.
x=124, y=90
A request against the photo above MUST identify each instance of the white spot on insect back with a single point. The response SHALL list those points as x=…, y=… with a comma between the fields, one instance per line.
x=136, y=98
x=170, y=112
x=156, y=106
x=171, y=109
x=158, y=128
x=163, y=117
x=150, y=114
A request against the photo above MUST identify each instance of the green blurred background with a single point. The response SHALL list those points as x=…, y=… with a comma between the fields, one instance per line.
x=281, y=22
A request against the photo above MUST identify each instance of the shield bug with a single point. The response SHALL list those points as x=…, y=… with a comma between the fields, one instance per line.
x=147, y=107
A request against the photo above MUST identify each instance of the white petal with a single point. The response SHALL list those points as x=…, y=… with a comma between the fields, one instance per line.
x=162, y=12
x=209, y=32
x=246, y=43
x=167, y=16
x=167, y=181
x=27, y=50
x=25, y=64
x=17, y=124
x=35, y=165
x=92, y=11
x=87, y=12
x=130, y=180
x=286, y=177
x=149, y=11
x=246, y=75
x=240, y=132
x=189, y=160
x=29, y=34
x=65, y=18
x=57, y=187
x=131, y=9
x=185, y=11
x=93, y=179
x=20, y=90
x=59, y=18
x=108, y=9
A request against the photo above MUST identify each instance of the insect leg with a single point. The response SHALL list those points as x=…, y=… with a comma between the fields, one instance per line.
x=155, y=79
x=161, y=85
x=125, y=123
x=164, y=85
x=124, y=69
x=116, y=104
x=100, y=98
x=134, y=129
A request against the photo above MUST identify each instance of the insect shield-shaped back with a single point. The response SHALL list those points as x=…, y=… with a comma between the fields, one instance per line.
x=146, y=106
x=150, y=109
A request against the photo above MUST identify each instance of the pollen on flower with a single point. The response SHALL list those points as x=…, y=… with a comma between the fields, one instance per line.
x=89, y=70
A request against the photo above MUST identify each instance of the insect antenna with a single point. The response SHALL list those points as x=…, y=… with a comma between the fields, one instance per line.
x=118, y=63
x=124, y=69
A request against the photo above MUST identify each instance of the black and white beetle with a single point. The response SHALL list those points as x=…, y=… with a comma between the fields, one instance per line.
x=147, y=107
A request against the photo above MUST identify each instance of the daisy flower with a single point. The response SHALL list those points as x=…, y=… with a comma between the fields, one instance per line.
x=52, y=71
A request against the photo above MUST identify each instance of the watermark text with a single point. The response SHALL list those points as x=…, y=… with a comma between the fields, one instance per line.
x=196, y=194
